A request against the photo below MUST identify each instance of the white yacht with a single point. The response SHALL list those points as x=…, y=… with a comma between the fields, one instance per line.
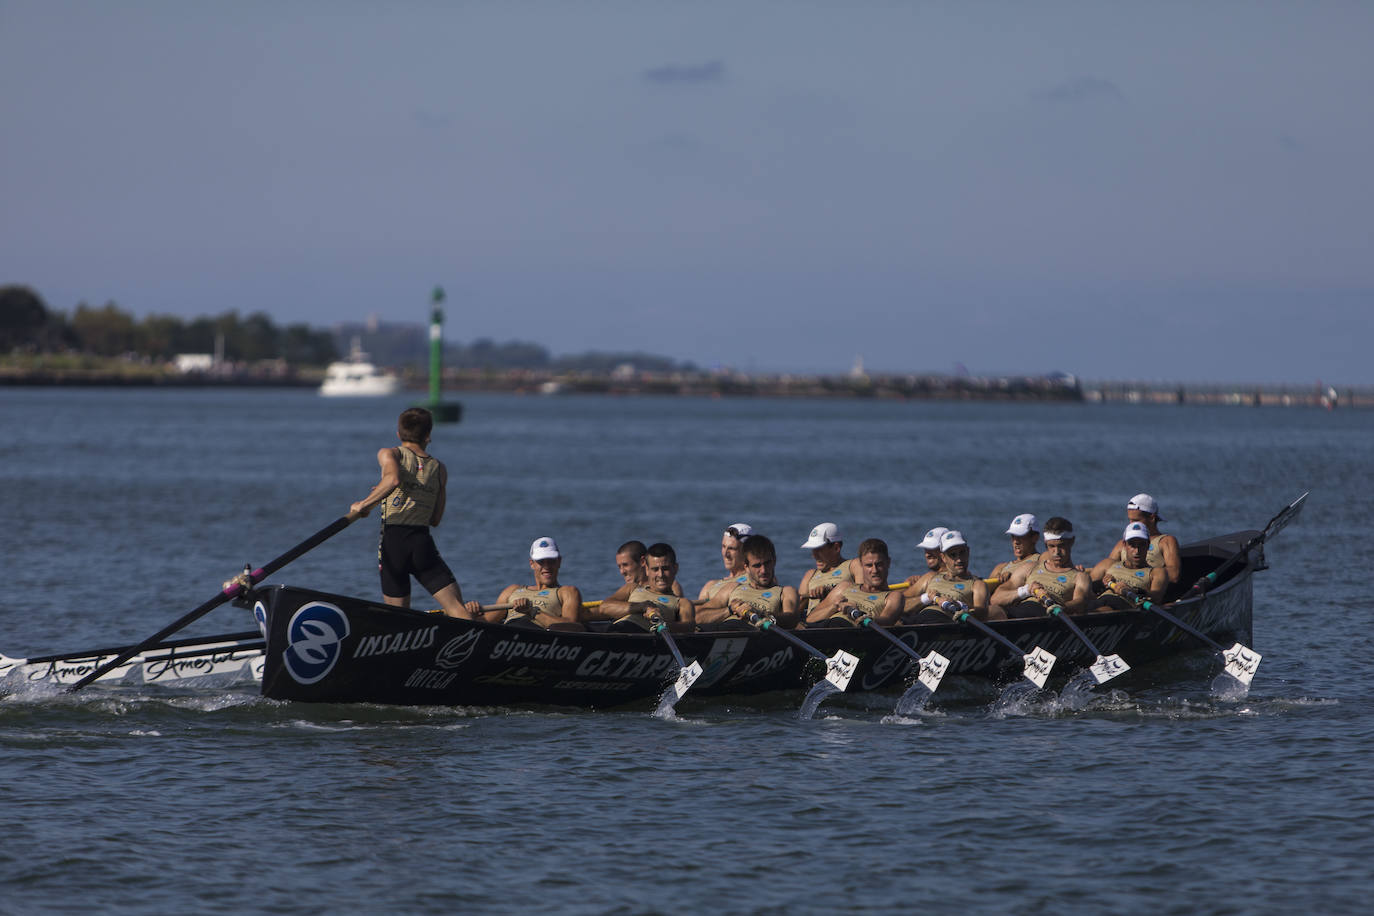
x=356, y=377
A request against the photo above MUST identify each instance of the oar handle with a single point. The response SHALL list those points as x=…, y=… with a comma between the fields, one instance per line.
x=230, y=590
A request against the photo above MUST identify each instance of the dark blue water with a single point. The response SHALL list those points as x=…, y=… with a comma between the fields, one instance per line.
x=128, y=508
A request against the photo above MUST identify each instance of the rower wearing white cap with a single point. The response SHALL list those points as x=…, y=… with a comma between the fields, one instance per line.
x=546, y=604
x=1163, y=547
x=870, y=595
x=953, y=583
x=935, y=560
x=714, y=592
x=1052, y=579
x=1130, y=578
x=832, y=569
x=1025, y=537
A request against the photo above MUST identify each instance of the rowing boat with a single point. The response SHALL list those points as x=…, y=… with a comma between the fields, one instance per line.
x=228, y=657
x=330, y=648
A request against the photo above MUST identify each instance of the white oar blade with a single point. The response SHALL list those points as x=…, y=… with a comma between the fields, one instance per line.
x=1107, y=667
x=839, y=668
x=1241, y=663
x=932, y=671
x=686, y=678
x=1038, y=665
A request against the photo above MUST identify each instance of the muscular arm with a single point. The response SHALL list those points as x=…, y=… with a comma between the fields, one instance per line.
x=827, y=606
x=1173, y=563
x=788, y=616
x=1006, y=594
x=1082, y=595
x=1106, y=562
x=892, y=610
x=391, y=478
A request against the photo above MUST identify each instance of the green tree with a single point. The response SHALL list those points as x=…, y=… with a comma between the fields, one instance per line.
x=104, y=331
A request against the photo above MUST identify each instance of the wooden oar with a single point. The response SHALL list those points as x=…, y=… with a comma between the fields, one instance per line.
x=839, y=668
x=1276, y=524
x=1036, y=665
x=1105, y=667
x=930, y=670
x=1239, y=661
x=686, y=675
x=230, y=590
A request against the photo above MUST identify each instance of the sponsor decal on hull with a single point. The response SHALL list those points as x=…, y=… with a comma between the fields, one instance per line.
x=514, y=648
x=632, y=665
x=892, y=663
x=725, y=652
x=392, y=643
x=429, y=679
x=314, y=641
x=761, y=666
x=457, y=650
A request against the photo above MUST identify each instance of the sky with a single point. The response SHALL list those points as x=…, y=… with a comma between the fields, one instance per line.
x=1134, y=191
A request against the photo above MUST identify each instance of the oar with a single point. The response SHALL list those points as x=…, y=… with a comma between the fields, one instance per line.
x=1105, y=667
x=1276, y=524
x=226, y=640
x=231, y=589
x=1036, y=665
x=930, y=670
x=839, y=668
x=686, y=674
x=1241, y=662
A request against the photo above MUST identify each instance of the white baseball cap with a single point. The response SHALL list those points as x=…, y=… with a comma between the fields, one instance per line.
x=822, y=534
x=1145, y=503
x=952, y=538
x=1135, y=531
x=544, y=549
x=1059, y=535
x=739, y=530
x=932, y=539
x=1023, y=524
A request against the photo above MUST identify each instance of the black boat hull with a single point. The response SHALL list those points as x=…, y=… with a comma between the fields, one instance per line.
x=335, y=649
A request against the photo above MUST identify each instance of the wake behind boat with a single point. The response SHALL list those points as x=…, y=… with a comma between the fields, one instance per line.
x=336, y=649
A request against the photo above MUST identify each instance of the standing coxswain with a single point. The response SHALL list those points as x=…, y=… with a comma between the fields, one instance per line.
x=412, y=493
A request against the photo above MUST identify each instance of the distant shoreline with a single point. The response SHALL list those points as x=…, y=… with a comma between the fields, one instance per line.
x=730, y=384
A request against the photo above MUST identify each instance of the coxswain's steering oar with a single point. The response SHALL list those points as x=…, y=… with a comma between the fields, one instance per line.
x=1105, y=667
x=1239, y=661
x=1276, y=524
x=1036, y=664
x=231, y=589
x=930, y=669
x=839, y=668
x=686, y=674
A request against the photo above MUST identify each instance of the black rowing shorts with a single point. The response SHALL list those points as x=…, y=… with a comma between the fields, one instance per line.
x=408, y=550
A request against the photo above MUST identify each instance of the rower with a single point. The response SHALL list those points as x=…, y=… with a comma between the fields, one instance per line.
x=713, y=591
x=870, y=596
x=930, y=544
x=832, y=569
x=759, y=593
x=1131, y=578
x=952, y=584
x=1025, y=538
x=630, y=560
x=1163, y=547
x=546, y=604
x=1051, y=579
x=654, y=598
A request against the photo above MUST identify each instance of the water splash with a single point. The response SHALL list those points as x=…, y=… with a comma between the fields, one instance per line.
x=914, y=700
x=1229, y=689
x=815, y=698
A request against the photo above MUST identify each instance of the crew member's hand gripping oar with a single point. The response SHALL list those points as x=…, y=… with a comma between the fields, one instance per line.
x=1105, y=667
x=686, y=675
x=232, y=589
x=1036, y=664
x=929, y=672
x=1276, y=524
x=1239, y=661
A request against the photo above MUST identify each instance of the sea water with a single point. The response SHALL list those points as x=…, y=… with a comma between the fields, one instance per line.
x=127, y=508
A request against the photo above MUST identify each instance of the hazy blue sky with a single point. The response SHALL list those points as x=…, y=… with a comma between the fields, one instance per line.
x=1121, y=190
